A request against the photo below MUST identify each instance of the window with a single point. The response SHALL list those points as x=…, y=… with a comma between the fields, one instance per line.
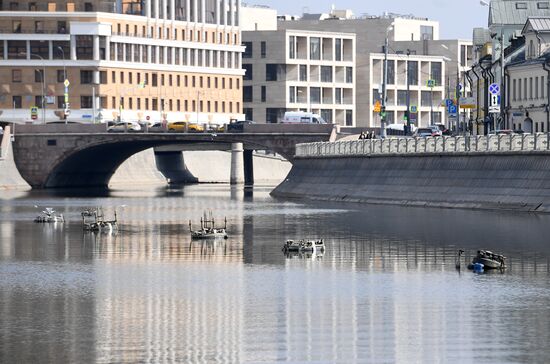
x=338, y=49
x=521, y=5
x=154, y=80
x=263, y=49
x=264, y=93
x=543, y=5
x=17, y=49
x=292, y=47
x=86, y=77
x=275, y=72
x=326, y=114
x=530, y=88
x=426, y=32
x=391, y=72
x=315, y=48
x=38, y=76
x=292, y=94
x=38, y=27
x=315, y=95
x=426, y=98
x=436, y=73
x=88, y=7
x=519, y=89
x=248, y=72
x=121, y=77
x=17, y=102
x=326, y=74
x=247, y=50
x=303, y=73
x=525, y=85
x=86, y=102
x=349, y=75
x=401, y=98
x=84, y=47
x=413, y=73
x=16, y=76
x=61, y=102
x=103, y=77
x=14, y=5
x=349, y=117
x=248, y=94
x=16, y=26
x=60, y=76
x=542, y=87
x=514, y=89
x=338, y=94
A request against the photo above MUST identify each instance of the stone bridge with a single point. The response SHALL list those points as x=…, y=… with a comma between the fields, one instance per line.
x=58, y=155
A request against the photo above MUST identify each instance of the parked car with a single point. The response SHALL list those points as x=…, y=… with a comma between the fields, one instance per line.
x=427, y=132
x=444, y=130
x=436, y=130
x=238, y=125
x=185, y=126
x=302, y=117
x=125, y=126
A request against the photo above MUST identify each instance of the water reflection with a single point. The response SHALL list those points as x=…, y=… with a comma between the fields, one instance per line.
x=385, y=290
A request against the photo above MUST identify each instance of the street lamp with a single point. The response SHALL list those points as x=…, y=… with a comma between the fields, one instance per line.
x=408, y=112
x=66, y=93
x=43, y=84
x=457, y=88
x=502, y=86
x=385, y=85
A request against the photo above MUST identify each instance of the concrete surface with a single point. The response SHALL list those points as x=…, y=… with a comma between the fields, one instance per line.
x=139, y=169
x=9, y=175
x=503, y=181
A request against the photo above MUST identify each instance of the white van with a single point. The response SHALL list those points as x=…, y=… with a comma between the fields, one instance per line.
x=302, y=117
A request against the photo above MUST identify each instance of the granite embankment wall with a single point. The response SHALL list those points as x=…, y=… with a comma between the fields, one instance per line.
x=9, y=175
x=492, y=180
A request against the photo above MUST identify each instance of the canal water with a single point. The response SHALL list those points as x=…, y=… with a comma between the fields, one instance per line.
x=386, y=289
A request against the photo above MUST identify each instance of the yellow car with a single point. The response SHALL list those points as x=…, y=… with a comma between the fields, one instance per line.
x=184, y=125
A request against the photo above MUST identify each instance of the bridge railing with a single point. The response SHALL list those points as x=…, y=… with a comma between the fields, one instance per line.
x=429, y=145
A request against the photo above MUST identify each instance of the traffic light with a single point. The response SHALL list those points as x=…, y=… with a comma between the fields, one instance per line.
x=383, y=112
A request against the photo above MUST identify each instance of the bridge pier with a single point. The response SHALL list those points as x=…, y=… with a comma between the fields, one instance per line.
x=172, y=165
x=237, y=168
x=248, y=160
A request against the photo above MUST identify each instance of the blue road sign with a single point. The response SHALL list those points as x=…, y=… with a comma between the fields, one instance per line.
x=494, y=89
x=452, y=109
x=448, y=103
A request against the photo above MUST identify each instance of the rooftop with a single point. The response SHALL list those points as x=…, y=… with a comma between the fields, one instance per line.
x=516, y=12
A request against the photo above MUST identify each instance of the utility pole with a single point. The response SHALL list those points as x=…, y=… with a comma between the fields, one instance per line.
x=385, y=86
x=458, y=92
x=503, y=89
x=408, y=112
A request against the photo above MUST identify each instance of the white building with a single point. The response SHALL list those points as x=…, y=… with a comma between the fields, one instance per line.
x=425, y=100
x=291, y=70
x=528, y=80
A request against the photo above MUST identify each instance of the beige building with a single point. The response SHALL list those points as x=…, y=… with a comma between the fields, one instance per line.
x=298, y=70
x=132, y=60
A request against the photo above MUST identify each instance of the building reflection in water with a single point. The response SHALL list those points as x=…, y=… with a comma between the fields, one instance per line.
x=385, y=289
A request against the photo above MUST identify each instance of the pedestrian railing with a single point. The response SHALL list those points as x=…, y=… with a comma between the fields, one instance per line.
x=428, y=145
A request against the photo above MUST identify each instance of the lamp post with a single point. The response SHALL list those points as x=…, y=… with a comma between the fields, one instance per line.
x=458, y=89
x=502, y=64
x=408, y=112
x=385, y=85
x=66, y=93
x=43, y=85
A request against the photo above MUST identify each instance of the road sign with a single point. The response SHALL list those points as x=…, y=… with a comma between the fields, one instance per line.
x=414, y=109
x=452, y=109
x=468, y=103
x=147, y=118
x=494, y=109
x=494, y=89
x=66, y=83
x=430, y=83
x=34, y=112
x=377, y=106
x=449, y=102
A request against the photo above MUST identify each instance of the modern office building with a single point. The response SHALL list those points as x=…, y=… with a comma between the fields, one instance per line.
x=132, y=60
x=424, y=101
x=297, y=70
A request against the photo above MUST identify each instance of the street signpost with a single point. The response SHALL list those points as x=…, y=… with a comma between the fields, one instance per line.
x=494, y=97
x=34, y=112
x=430, y=83
x=414, y=109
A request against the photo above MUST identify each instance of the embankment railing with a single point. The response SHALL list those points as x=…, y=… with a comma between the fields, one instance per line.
x=429, y=145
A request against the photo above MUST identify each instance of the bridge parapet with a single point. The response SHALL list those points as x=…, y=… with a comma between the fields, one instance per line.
x=430, y=145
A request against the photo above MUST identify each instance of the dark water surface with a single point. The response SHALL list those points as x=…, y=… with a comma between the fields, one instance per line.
x=385, y=291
